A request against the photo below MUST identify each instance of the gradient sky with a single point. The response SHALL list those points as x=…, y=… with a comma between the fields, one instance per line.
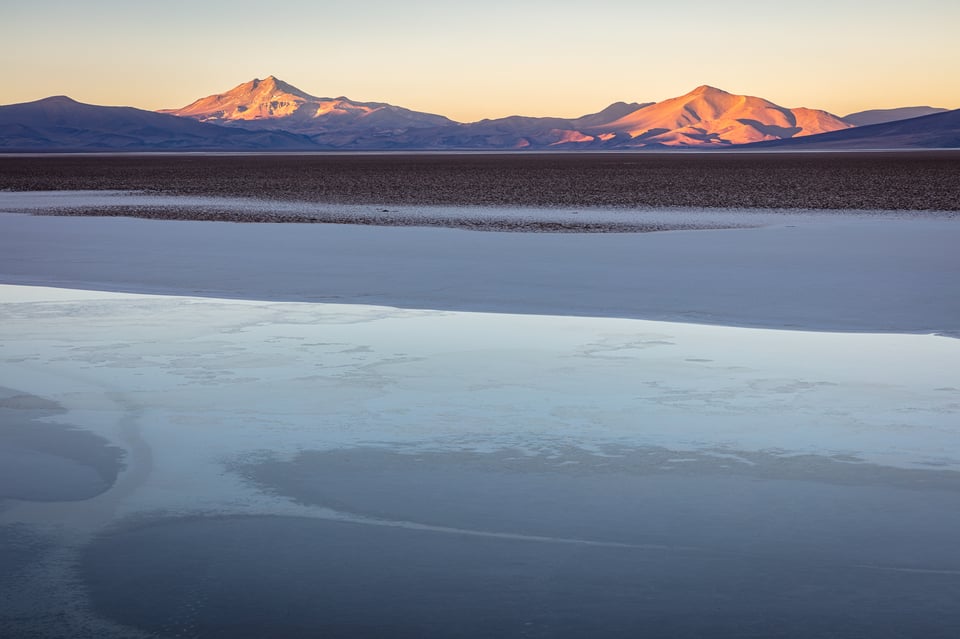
x=472, y=60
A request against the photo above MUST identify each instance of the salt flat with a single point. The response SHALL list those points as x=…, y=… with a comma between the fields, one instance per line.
x=437, y=432
x=483, y=381
x=815, y=270
x=704, y=449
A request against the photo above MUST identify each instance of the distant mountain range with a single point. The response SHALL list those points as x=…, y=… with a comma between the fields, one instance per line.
x=272, y=115
x=937, y=131
x=705, y=116
x=272, y=104
x=61, y=124
x=879, y=116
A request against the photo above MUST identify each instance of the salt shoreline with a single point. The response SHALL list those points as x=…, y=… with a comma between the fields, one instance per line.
x=532, y=219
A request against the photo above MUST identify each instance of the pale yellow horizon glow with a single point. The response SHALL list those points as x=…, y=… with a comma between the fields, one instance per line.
x=473, y=61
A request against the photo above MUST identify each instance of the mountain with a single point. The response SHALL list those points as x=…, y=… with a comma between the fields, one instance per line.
x=271, y=115
x=61, y=124
x=936, y=131
x=879, y=116
x=708, y=116
x=612, y=113
x=519, y=132
x=341, y=123
x=513, y=132
x=272, y=104
x=705, y=117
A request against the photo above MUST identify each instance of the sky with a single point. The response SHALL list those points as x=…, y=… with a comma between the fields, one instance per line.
x=474, y=60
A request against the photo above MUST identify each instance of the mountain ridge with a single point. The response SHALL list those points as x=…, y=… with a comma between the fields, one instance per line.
x=706, y=116
x=62, y=123
x=711, y=116
x=271, y=114
x=272, y=103
x=933, y=131
x=880, y=116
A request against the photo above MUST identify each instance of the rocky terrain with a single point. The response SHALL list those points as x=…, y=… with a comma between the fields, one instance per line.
x=920, y=180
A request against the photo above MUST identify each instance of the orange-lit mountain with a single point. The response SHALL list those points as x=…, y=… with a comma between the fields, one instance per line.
x=711, y=117
x=271, y=115
x=705, y=117
x=274, y=104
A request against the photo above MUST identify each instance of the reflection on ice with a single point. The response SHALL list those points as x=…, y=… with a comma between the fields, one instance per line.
x=556, y=459
x=43, y=461
x=243, y=374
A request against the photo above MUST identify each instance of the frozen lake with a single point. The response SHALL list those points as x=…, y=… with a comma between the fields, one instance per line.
x=815, y=270
x=354, y=450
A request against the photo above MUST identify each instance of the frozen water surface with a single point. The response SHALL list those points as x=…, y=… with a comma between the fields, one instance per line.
x=212, y=467
x=631, y=467
x=877, y=272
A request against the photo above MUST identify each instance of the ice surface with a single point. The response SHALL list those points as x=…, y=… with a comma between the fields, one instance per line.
x=210, y=380
x=803, y=270
x=786, y=477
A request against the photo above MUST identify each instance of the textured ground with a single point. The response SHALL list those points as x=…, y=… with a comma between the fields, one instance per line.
x=928, y=180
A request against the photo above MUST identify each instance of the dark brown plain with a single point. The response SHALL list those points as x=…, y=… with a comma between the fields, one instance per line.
x=914, y=180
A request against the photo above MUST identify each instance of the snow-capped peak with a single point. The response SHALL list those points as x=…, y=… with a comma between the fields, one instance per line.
x=273, y=103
